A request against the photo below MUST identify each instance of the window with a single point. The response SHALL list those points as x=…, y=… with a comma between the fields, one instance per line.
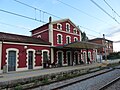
x=68, y=39
x=75, y=31
x=39, y=36
x=59, y=26
x=59, y=39
x=75, y=39
x=67, y=27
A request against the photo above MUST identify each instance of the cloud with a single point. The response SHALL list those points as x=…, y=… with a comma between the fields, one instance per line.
x=114, y=35
x=113, y=31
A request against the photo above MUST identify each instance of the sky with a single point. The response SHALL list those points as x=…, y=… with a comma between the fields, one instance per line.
x=84, y=13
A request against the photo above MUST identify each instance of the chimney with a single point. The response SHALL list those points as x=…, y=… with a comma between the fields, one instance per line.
x=50, y=19
x=104, y=36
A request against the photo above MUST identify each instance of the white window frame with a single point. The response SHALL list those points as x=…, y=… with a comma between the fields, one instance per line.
x=33, y=58
x=39, y=36
x=58, y=39
x=75, y=31
x=89, y=53
x=17, y=55
x=77, y=57
x=60, y=26
x=84, y=53
x=70, y=58
x=62, y=58
x=68, y=28
x=76, y=39
x=67, y=39
x=45, y=50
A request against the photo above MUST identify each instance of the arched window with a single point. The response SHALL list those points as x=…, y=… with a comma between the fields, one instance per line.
x=59, y=39
x=75, y=39
x=68, y=39
x=30, y=58
x=67, y=27
x=59, y=26
x=75, y=31
x=39, y=36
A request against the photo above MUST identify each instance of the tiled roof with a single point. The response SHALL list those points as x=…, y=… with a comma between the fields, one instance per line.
x=100, y=39
x=81, y=45
x=21, y=39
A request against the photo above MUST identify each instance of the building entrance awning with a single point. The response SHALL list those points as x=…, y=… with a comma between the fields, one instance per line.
x=81, y=45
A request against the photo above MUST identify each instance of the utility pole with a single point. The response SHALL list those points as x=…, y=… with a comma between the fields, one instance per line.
x=104, y=42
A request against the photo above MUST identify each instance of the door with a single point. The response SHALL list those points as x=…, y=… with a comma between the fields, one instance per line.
x=60, y=56
x=45, y=59
x=76, y=58
x=69, y=58
x=12, y=61
x=84, y=57
x=30, y=59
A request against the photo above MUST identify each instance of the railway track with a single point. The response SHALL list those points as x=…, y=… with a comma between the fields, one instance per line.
x=110, y=83
x=60, y=87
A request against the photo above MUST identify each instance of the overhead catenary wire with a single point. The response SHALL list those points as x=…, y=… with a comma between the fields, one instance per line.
x=81, y=11
x=30, y=18
x=89, y=29
x=21, y=16
x=36, y=9
x=14, y=26
x=35, y=15
x=104, y=11
x=111, y=8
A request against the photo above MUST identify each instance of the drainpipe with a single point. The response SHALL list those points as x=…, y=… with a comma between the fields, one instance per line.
x=51, y=39
x=1, y=46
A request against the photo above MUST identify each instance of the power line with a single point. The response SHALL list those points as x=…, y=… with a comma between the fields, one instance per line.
x=91, y=35
x=14, y=25
x=81, y=11
x=21, y=15
x=36, y=8
x=111, y=8
x=35, y=17
x=55, y=15
x=117, y=41
x=30, y=19
x=89, y=29
x=104, y=11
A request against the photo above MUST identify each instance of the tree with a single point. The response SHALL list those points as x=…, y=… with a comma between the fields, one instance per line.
x=84, y=37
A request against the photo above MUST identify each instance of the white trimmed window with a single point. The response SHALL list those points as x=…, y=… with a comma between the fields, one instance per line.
x=75, y=31
x=12, y=59
x=67, y=27
x=39, y=36
x=59, y=26
x=89, y=55
x=59, y=38
x=30, y=59
x=68, y=39
x=75, y=39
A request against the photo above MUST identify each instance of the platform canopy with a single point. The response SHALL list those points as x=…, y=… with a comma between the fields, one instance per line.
x=82, y=45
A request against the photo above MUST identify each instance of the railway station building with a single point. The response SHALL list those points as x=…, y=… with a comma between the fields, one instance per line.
x=55, y=44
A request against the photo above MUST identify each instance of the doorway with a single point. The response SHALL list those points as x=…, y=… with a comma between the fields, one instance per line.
x=76, y=58
x=60, y=56
x=69, y=58
x=30, y=59
x=12, y=61
x=45, y=59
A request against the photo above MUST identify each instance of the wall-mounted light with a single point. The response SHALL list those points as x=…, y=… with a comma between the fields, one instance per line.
x=25, y=47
